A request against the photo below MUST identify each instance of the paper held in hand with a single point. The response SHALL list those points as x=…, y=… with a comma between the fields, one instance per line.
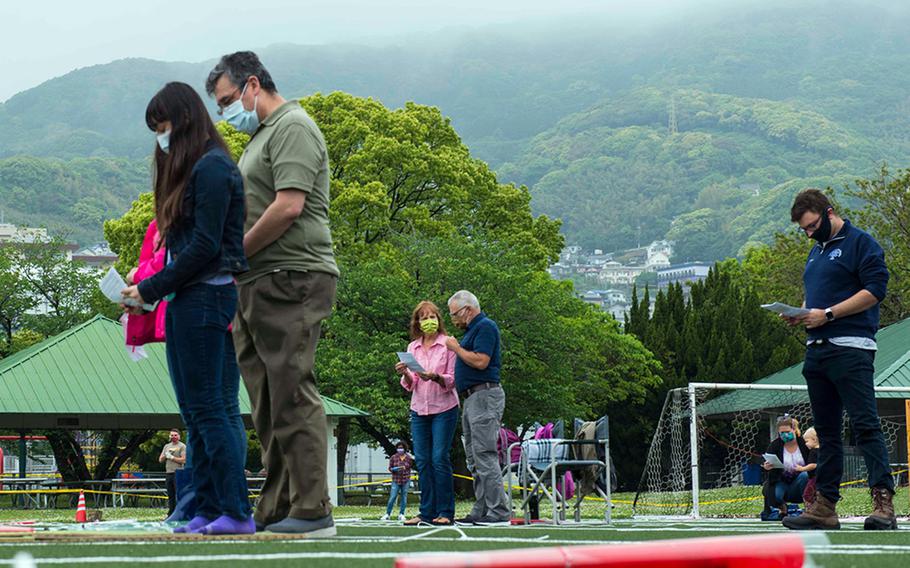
x=111, y=286
x=410, y=362
x=773, y=460
x=785, y=310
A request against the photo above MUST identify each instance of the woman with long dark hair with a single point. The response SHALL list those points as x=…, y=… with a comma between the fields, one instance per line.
x=199, y=209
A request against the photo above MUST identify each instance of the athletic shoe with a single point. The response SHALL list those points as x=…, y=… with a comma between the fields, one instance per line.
x=467, y=520
x=491, y=522
x=322, y=527
x=195, y=524
x=401, y=517
x=228, y=525
x=384, y=518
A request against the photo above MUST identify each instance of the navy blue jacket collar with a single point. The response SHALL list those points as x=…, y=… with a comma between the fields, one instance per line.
x=476, y=320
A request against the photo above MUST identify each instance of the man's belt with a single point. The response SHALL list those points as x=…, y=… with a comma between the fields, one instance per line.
x=479, y=387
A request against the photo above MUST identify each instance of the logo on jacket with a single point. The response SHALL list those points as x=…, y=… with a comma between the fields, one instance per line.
x=836, y=253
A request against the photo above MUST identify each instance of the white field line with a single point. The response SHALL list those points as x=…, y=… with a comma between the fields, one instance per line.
x=218, y=558
x=836, y=550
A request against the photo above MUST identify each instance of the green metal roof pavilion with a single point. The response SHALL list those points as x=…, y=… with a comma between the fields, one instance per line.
x=892, y=369
x=83, y=379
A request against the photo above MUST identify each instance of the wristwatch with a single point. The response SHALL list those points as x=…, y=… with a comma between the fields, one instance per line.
x=829, y=315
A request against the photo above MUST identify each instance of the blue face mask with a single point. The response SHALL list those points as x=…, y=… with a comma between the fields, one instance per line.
x=164, y=140
x=240, y=118
x=400, y=451
x=787, y=437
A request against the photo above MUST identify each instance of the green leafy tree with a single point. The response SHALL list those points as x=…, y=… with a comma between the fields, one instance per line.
x=124, y=235
x=720, y=335
x=415, y=216
x=65, y=291
x=15, y=299
x=885, y=201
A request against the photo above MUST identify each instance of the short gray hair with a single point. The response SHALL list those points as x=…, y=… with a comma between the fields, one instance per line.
x=239, y=67
x=464, y=298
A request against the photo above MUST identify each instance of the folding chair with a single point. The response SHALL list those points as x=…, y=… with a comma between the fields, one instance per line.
x=544, y=462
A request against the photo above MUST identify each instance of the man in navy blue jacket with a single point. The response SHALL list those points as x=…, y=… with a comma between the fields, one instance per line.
x=845, y=280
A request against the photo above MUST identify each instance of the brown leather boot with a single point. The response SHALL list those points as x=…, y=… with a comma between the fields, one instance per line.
x=819, y=515
x=882, y=517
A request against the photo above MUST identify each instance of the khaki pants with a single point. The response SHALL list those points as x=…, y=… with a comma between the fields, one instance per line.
x=275, y=334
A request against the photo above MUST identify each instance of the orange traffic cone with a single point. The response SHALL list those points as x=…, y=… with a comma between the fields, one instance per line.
x=80, y=508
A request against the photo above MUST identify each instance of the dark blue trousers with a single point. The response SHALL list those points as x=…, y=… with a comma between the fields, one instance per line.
x=841, y=378
x=432, y=435
x=206, y=380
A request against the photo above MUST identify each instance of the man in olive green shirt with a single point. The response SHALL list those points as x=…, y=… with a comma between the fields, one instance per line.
x=288, y=291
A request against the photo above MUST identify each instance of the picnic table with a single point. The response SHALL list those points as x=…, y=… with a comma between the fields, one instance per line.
x=25, y=500
x=92, y=499
x=132, y=488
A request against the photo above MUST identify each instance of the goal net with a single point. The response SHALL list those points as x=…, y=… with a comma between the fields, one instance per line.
x=716, y=433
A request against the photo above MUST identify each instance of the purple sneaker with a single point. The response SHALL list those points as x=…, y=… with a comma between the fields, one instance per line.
x=228, y=525
x=194, y=525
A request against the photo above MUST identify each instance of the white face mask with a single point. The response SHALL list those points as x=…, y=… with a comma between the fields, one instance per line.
x=164, y=140
x=240, y=118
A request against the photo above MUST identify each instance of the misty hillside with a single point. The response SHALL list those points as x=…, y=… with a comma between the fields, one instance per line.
x=767, y=99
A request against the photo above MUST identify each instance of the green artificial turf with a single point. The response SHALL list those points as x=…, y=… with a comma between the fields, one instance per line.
x=355, y=544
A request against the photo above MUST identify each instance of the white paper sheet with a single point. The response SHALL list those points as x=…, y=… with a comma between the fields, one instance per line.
x=410, y=362
x=111, y=286
x=786, y=310
x=773, y=460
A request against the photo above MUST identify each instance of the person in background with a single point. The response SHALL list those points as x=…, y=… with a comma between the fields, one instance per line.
x=787, y=484
x=173, y=455
x=477, y=380
x=434, y=414
x=400, y=465
x=811, y=439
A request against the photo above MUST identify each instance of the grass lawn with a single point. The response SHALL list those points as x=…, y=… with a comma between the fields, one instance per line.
x=364, y=542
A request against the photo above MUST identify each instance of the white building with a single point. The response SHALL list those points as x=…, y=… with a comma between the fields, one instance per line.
x=14, y=234
x=684, y=274
x=97, y=256
x=615, y=273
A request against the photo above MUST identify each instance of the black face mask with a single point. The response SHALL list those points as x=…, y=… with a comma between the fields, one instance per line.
x=823, y=233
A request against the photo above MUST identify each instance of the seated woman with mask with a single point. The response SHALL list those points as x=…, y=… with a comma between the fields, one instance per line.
x=786, y=485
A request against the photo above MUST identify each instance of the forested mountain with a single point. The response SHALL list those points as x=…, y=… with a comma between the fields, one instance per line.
x=768, y=97
x=72, y=197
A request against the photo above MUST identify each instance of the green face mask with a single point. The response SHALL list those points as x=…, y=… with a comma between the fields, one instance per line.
x=430, y=325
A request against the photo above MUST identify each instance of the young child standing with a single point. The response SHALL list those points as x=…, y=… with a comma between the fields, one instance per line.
x=400, y=465
x=811, y=439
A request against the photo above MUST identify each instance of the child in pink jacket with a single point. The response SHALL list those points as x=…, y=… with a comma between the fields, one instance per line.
x=149, y=327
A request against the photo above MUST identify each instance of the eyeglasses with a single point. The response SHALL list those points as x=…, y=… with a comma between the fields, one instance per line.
x=812, y=227
x=456, y=312
x=227, y=100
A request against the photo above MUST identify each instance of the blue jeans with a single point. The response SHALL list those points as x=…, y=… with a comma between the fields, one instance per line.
x=840, y=378
x=206, y=380
x=395, y=491
x=432, y=435
x=792, y=491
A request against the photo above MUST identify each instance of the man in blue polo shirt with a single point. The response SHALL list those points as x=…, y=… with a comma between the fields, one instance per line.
x=477, y=381
x=845, y=280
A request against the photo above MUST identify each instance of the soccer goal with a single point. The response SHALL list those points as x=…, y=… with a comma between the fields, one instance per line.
x=715, y=434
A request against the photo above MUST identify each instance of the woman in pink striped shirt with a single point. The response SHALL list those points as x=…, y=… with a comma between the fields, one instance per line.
x=434, y=414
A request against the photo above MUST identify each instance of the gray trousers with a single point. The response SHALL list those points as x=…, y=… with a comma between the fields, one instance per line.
x=480, y=422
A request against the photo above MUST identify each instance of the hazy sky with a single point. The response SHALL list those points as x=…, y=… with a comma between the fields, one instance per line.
x=44, y=39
